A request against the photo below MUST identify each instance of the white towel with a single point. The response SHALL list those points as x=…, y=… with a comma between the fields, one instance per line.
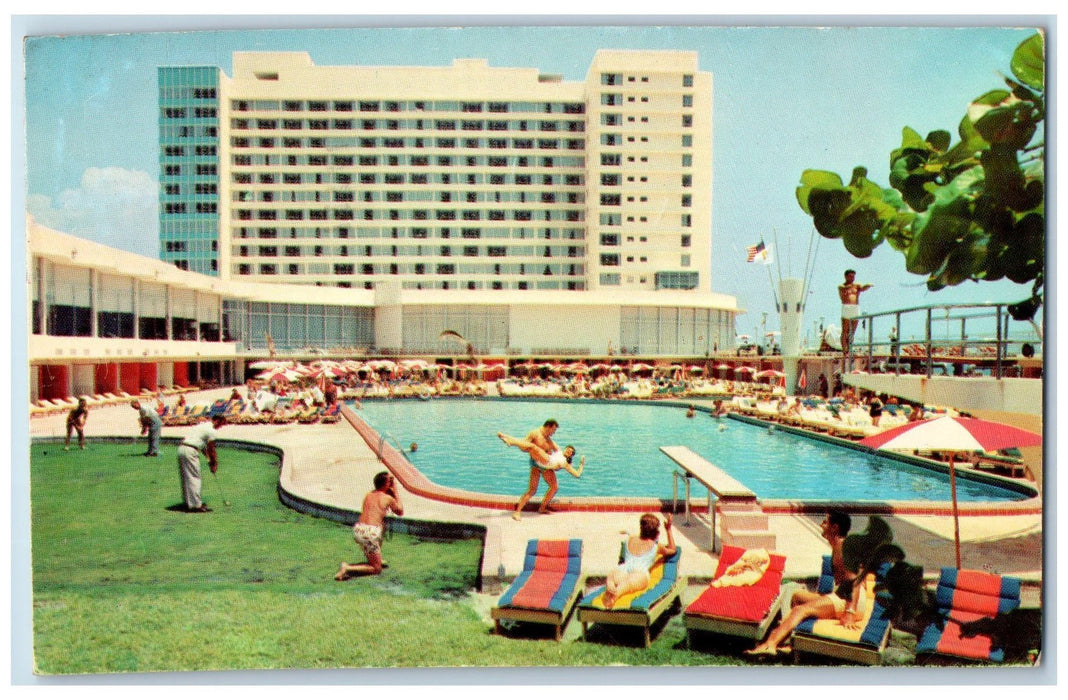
x=747, y=570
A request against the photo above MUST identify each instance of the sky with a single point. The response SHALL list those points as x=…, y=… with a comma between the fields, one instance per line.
x=785, y=99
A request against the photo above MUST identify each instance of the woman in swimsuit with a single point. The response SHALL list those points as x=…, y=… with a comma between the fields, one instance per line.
x=551, y=461
x=639, y=554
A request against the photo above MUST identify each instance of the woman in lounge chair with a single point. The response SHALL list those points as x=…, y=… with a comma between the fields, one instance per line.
x=639, y=554
x=547, y=460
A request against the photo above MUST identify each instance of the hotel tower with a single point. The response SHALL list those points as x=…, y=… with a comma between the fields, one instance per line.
x=464, y=177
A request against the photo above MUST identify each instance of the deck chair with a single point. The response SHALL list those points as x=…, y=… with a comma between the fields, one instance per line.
x=965, y=598
x=332, y=414
x=737, y=610
x=642, y=608
x=829, y=638
x=546, y=590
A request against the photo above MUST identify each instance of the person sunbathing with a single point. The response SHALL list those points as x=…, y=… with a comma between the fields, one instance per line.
x=639, y=554
x=831, y=606
x=551, y=461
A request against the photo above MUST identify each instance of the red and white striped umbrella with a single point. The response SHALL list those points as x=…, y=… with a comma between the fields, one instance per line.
x=953, y=434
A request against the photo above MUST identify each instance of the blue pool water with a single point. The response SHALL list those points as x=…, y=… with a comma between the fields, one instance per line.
x=458, y=447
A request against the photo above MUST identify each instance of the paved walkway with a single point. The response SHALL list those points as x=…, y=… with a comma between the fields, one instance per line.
x=332, y=465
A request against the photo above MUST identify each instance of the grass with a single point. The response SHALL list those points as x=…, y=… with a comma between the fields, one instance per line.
x=124, y=583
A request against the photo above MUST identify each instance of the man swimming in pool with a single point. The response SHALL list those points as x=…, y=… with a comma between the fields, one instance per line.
x=542, y=438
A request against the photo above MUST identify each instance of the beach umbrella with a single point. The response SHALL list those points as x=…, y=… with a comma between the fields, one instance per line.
x=640, y=367
x=769, y=373
x=953, y=434
x=267, y=364
x=696, y=369
x=744, y=369
x=279, y=374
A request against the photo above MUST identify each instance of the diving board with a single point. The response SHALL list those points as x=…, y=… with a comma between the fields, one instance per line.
x=718, y=482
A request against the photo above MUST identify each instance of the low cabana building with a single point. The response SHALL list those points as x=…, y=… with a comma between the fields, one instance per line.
x=104, y=320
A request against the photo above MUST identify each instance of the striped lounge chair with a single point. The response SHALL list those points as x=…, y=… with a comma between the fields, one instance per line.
x=642, y=608
x=965, y=596
x=737, y=611
x=546, y=590
x=830, y=638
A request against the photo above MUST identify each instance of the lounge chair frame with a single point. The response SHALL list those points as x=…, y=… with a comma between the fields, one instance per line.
x=542, y=616
x=634, y=618
x=862, y=653
x=630, y=617
x=733, y=627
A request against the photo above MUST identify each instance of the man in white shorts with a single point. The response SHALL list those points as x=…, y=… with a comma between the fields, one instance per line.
x=849, y=292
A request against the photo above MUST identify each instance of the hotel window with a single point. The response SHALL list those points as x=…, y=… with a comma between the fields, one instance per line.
x=687, y=80
x=687, y=100
x=609, y=259
x=687, y=120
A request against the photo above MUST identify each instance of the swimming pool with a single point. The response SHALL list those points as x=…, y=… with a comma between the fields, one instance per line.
x=458, y=447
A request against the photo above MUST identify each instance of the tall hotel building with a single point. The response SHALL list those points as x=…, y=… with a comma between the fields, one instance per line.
x=440, y=178
x=358, y=210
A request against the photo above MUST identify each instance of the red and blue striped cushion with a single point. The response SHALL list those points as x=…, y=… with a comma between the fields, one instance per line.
x=966, y=596
x=551, y=571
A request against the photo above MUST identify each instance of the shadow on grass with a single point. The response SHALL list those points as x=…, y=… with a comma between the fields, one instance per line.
x=628, y=635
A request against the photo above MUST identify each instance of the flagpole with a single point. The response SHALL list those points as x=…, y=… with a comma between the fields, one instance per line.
x=774, y=294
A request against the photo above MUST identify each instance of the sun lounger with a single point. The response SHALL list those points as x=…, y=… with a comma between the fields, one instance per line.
x=738, y=611
x=642, y=608
x=865, y=644
x=332, y=414
x=966, y=599
x=546, y=590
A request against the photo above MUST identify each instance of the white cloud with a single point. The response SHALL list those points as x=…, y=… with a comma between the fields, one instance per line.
x=113, y=206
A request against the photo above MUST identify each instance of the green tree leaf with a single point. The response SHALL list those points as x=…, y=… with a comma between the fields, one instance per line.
x=1029, y=63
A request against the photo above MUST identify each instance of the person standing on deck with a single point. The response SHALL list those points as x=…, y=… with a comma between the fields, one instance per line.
x=849, y=292
x=543, y=438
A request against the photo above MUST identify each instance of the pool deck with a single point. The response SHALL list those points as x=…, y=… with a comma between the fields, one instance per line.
x=331, y=465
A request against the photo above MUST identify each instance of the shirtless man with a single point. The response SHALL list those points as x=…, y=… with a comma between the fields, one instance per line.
x=834, y=528
x=849, y=292
x=369, y=528
x=543, y=438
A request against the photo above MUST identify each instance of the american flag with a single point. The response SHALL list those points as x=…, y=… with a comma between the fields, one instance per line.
x=754, y=251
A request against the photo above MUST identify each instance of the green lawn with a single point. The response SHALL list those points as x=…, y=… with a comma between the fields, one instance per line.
x=124, y=583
